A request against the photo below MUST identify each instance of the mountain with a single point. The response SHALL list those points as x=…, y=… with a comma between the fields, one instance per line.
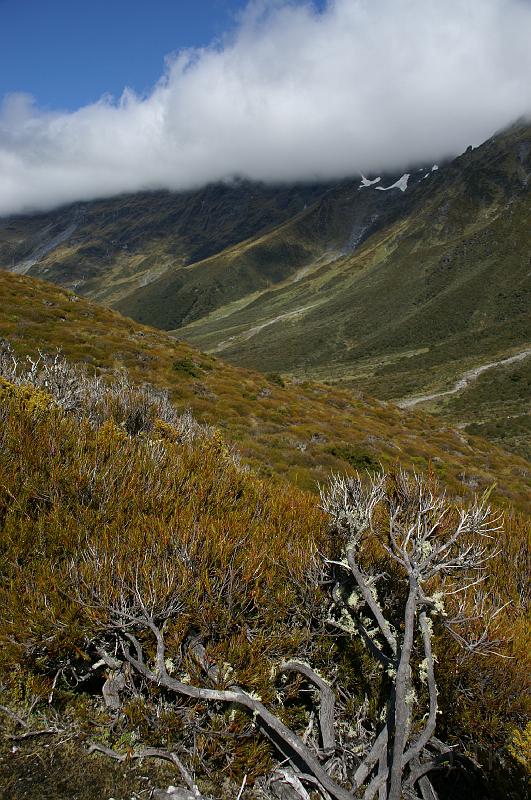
x=242, y=276
x=399, y=285
x=106, y=249
x=433, y=293
x=299, y=431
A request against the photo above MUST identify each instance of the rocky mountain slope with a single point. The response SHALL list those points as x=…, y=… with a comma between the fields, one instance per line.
x=106, y=249
x=440, y=290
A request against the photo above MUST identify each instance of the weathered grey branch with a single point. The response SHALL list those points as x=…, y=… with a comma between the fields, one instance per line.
x=96, y=747
x=32, y=734
x=148, y=752
x=110, y=661
x=9, y=713
x=402, y=686
x=326, y=704
x=426, y=789
x=367, y=595
x=375, y=785
x=429, y=540
x=112, y=687
x=291, y=779
x=279, y=734
x=423, y=739
x=432, y=764
x=377, y=652
x=422, y=535
x=379, y=747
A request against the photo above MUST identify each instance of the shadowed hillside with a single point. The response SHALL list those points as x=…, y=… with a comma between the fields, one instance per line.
x=105, y=249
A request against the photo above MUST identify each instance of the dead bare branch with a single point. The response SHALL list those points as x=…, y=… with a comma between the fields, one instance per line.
x=326, y=704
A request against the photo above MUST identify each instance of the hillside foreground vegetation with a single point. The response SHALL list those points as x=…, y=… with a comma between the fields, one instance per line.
x=300, y=431
x=161, y=602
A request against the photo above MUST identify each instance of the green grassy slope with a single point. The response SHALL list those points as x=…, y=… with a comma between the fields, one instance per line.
x=300, y=431
x=495, y=406
x=241, y=275
x=441, y=289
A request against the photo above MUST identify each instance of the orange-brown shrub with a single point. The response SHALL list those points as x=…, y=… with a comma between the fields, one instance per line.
x=87, y=513
x=92, y=509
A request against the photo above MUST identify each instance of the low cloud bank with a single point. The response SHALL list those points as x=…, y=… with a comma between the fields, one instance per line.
x=292, y=94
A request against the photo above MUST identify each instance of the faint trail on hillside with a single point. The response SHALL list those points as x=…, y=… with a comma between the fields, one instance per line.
x=463, y=382
x=242, y=337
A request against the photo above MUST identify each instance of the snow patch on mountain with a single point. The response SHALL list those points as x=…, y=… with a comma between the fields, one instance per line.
x=366, y=182
x=433, y=169
x=401, y=184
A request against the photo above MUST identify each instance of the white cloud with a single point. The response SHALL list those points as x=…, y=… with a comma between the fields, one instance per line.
x=366, y=85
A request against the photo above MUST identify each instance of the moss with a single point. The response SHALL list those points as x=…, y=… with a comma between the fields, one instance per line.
x=58, y=770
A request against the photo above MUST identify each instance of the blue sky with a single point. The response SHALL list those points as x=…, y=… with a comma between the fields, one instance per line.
x=301, y=90
x=67, y=53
